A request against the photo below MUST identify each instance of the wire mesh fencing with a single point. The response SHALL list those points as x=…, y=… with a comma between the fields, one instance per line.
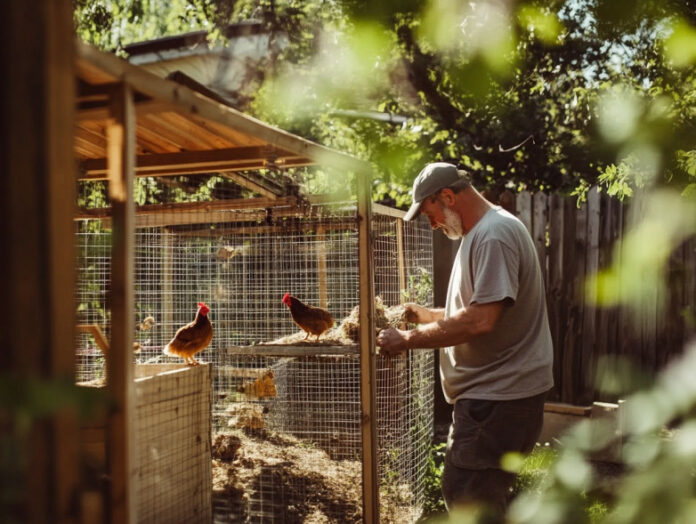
x=285, y=435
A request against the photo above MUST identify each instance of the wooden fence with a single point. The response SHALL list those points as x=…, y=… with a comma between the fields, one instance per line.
x=575, y=242
x=572, y=243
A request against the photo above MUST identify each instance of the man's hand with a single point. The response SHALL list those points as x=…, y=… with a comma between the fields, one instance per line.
x=392, y=341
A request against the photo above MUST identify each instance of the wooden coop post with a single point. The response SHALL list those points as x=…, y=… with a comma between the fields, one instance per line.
x=321, y=266
x=368, y=375
x=120, y=135
x=167, y=273
x=37, y=194
x=401, y=259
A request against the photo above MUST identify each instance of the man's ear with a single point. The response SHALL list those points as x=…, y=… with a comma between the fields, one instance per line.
x=447, y=197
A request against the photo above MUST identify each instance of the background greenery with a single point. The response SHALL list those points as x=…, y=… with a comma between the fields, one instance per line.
x=540, y=95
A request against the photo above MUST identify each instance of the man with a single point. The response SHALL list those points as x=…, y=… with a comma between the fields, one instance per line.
x=496, y=356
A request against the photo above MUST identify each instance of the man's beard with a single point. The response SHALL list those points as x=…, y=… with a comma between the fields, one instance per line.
x=452, y=227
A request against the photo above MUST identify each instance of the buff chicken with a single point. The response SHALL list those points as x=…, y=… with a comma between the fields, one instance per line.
x=312, y=320
x=192, y=338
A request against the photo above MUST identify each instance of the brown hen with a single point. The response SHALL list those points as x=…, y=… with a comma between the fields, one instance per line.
x=192, y=338
x=312, y=320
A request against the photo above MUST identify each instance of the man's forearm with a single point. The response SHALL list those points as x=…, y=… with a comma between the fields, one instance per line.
x=422, y=315
x=464, y=325
x=439, y=333
x=461, y=327
x=435, y=314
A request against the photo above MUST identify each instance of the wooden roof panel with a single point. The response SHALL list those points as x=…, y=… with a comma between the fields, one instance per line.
x=235, y=137
x=192, y=127
x=181, y=137
x=149, y=141
x=180, y=131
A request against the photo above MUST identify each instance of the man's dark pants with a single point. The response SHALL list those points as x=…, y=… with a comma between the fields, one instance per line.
x=482, y=432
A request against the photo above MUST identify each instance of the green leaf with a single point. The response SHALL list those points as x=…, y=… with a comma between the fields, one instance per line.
x=680, y=45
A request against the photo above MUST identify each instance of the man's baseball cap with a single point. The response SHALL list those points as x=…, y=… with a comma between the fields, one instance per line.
x=430, y=180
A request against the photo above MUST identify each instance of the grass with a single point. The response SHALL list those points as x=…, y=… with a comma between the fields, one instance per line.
x=534, y=469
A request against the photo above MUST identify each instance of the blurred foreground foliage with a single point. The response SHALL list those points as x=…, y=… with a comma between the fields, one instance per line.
x=28, y=405
x=658, y=457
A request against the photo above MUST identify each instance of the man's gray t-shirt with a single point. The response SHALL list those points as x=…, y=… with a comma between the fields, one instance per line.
x=497, y=261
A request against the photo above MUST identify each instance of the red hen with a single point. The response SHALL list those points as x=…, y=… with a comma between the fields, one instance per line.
x=193, y=338
x=312, y=320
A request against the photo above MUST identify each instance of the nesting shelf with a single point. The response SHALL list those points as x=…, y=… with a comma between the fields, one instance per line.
x=294, y=350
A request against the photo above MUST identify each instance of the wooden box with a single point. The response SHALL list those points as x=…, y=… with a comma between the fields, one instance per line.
x=172, y=447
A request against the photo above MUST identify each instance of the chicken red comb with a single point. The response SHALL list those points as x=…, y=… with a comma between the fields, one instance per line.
x=286, y=297
x=202, y=304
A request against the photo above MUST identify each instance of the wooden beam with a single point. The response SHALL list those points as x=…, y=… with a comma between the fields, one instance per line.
x=40, y=470
x=336, y=224
x=95, y=66
x=162, y=215
x=182, y=207
x=400, y=259
x=379, y=209
x=251, y=165
x=119, y=366
x=368, y=376
x=257, y=186
x=101, y=113
x=321, y=266
x=57, y=196
x=167, y=293
x=97, y=335
x=567, y=409
x=190, y=162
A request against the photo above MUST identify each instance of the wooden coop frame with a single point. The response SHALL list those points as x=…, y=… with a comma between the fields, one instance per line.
x=131, y=123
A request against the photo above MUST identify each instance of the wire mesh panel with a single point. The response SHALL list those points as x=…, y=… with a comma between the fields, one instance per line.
x=286, y=437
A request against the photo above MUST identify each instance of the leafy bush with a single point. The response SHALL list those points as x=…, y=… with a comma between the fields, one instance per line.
x=434, y=504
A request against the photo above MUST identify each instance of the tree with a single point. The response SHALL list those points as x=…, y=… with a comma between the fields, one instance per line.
x=518, y=108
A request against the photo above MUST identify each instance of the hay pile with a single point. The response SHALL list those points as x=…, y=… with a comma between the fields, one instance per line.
x=264, y=475
x=348, y=330
x=307, y=485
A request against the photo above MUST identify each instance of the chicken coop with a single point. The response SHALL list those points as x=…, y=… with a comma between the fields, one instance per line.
x=297, y=430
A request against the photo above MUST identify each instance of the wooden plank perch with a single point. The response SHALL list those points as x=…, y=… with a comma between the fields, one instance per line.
x=277, y=350
x=97, y=335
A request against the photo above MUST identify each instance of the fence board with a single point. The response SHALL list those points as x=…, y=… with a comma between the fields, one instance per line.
x=573, y=371
x=524, y=209
x=603, y=259
x=615, y=208
x=629, y=339
x=573, y=242
x=589, y=324
x=649, y=309
x=690, y=291
x=673, y=318
x=554, y=283
x=539, y=226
